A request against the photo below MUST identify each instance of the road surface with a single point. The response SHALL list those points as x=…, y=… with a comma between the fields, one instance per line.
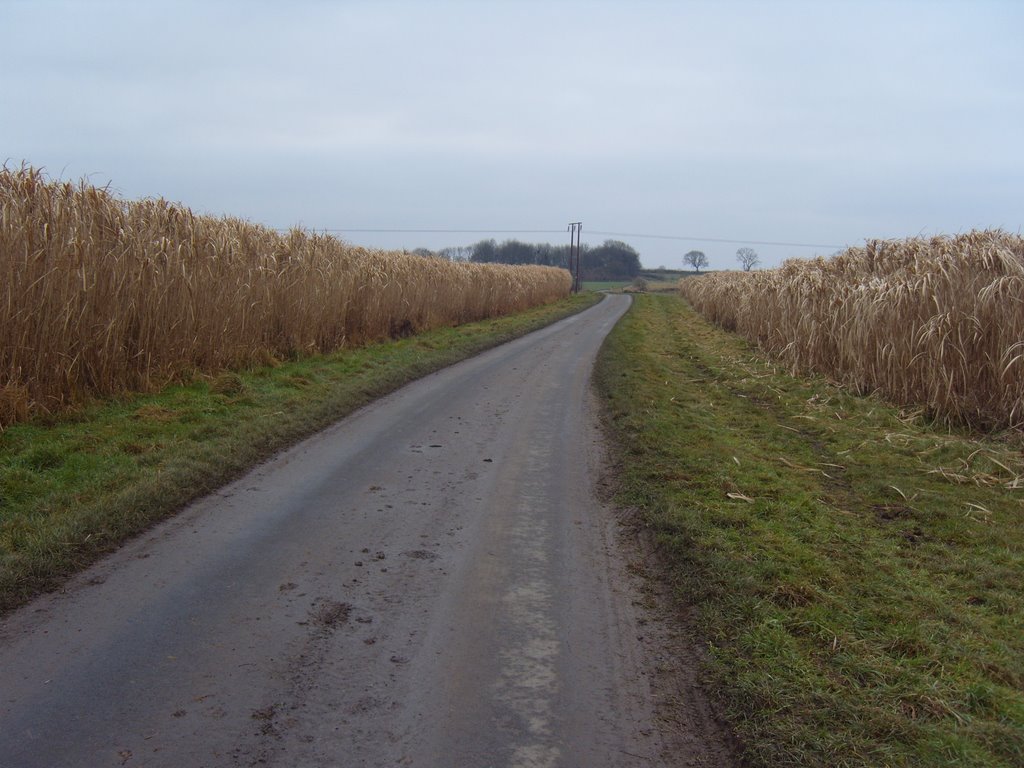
x=430, y=582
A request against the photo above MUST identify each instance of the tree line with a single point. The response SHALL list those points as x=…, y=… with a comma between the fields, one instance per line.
x=612, y=260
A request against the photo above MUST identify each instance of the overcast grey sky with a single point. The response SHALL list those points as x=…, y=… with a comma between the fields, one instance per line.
x=803, y=122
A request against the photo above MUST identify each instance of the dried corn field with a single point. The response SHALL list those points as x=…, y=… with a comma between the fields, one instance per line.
x=102, y=296
x=934, y=323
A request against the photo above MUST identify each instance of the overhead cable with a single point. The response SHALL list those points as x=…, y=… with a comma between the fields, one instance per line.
x=683, y=238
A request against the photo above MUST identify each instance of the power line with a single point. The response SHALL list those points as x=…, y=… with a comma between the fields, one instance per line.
x=717, y=240
x=441, y=231
x=682, y=238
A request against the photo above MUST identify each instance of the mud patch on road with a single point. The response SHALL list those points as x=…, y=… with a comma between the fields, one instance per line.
x=281, y=721
x=265, y=717
x=421, y=554
x=330, y=613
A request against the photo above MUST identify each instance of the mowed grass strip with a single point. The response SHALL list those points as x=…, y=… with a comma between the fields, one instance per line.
x=858, y=575
x=75, y=487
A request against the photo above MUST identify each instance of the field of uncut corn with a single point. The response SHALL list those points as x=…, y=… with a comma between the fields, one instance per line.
x=933, y=323
x=100, y=296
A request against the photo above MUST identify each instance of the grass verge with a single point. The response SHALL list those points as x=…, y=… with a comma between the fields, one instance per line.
x=858, y=574
x=75, y=487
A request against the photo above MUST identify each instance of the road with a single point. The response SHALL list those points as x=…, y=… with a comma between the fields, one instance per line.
x=430, y=582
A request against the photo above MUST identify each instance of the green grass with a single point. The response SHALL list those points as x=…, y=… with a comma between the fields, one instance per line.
x=72, y=488
x=858, y=575
x=664, y=275
x=605, y=285
x=657, y=280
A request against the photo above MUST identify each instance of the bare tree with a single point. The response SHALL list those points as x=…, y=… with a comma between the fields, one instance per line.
x=457, y=252
x=696, y=259
x=748, y=258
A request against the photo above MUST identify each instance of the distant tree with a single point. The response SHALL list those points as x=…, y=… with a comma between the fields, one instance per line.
x=422, y=252
x=456, y=252
x=748, y=258
x=516, y=252
x=612, y=260
x=485, y=252
x=696, y=259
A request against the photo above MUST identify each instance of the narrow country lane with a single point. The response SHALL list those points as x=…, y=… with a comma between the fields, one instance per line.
x=430, y=582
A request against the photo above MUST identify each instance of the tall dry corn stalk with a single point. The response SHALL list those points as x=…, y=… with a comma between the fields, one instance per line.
x=933, y=322
x=102, y=296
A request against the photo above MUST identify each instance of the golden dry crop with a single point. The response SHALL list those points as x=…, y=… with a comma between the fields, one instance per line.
x=936, y=323
x=101, y=295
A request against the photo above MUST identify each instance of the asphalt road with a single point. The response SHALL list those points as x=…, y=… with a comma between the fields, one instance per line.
x=430, y=582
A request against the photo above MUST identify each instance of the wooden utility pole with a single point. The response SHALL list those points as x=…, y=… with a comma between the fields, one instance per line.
x=575, y=230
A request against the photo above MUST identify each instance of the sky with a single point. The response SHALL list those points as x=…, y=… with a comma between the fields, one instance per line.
x=673, y=126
